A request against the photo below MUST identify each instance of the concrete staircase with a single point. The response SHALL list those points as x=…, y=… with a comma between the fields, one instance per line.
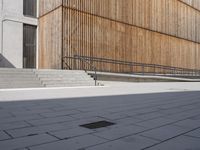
x=31, y=78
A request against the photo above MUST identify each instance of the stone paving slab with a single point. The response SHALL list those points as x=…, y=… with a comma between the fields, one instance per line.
x=13, y=125
x=179, y=143
x=188, y=124
x=165, y=132
x=65, y=134
x=4, y=136
x=128, y=143
x=60, y=113
x=57, y=127
x=155, y=123
x=142, y=121
x=20, y=118
x=71, y=144
x=26, y=141
x=195, y=133
x=27, y=131
x=121, y=131
x=50, y=120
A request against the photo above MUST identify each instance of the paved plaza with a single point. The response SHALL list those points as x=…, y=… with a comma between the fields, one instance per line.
x=154, y=121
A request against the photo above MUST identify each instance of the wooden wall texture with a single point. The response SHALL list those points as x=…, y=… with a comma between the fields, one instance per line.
x=149, y=31
x=193, y=3
x=50, y=40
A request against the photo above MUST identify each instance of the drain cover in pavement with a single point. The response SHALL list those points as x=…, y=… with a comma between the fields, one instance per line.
x=96, y=125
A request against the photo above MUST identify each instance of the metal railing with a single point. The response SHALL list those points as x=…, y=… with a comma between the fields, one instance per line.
x=135, y=67
x=74, y=61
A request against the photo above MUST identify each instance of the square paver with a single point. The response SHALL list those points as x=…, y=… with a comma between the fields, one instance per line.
x=195, y=133
x=13, y=125
x=60, y=113
x=4, y=136
x=27, y=131
x=164, y=133
x=119, y=132
x=154, y=123
x=128, y=143
x=179, y=143
x=26, y=141
x=189, y=124
x=68, y=133
x=71, y=144
x=46, y=121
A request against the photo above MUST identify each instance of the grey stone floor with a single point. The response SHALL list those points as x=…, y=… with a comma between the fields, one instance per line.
x=145, y=121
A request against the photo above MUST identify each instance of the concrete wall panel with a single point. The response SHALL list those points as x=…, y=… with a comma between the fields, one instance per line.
x=12, y=42
x=11, y=31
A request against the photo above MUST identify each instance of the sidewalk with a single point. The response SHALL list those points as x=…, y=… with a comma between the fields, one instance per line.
x=110, y=88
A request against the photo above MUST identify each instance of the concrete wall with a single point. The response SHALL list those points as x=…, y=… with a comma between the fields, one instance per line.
x=11, y=31
x=13, y=42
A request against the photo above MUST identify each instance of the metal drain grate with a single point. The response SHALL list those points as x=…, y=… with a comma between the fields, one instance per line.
x=96, y=125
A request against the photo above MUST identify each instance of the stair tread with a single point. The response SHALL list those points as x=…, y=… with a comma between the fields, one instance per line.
x=22, y=78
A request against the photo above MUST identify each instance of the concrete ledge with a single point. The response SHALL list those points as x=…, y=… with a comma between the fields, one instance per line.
x=105, y=76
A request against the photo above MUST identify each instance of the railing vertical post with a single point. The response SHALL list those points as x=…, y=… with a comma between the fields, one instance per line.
x=74, y=66
x=95, y=77
x=143, y=69
x=131, y=69
x=175, y=71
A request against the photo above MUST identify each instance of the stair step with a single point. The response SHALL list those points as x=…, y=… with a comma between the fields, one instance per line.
x=62, y=76
x=20, y=82
x=24, y=78
x=64, y=82
x=59, y=72
x=61, y=79
x=16, y=73
x=68, y=85
x=18, y=76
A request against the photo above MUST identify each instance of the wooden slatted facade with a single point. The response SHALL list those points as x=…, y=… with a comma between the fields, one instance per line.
x=162, y=32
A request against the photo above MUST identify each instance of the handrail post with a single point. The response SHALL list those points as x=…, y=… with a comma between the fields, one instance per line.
x=131, y=72
x=143, y=69
x=83, y=62
x=95, y=77
x=74, y=63
x=174, y=71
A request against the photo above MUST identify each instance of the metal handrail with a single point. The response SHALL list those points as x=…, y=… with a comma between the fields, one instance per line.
x=105, y=60
x=85, y=61
x=172, y=70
